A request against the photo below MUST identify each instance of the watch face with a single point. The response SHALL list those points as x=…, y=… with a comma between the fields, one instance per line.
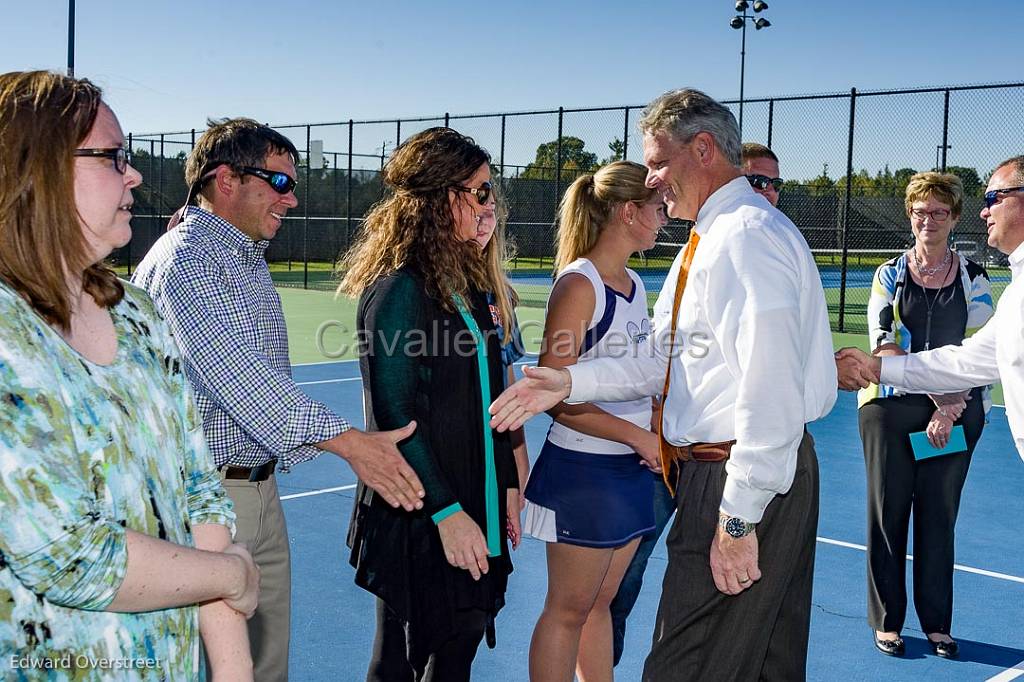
x=736, y=527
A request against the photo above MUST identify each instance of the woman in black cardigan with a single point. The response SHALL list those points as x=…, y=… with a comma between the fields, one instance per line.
x=429, y=353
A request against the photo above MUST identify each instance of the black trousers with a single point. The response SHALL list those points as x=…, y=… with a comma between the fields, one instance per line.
x=897, y=484
x=760, y=634
x=452, y=662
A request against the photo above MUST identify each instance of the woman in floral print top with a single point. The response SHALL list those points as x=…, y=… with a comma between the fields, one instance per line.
x=106, y=484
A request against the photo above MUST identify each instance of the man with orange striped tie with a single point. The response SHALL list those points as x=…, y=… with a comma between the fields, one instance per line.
x=744, y=364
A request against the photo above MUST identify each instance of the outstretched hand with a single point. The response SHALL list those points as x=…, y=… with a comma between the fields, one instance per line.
x=375, y=459
x=856, y=368
x=541, y=389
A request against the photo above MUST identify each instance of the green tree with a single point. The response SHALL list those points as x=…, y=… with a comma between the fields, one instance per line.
x=575, y=160
x=618, y=150
x=901, y=178
x=970, y=178
x=822, y=185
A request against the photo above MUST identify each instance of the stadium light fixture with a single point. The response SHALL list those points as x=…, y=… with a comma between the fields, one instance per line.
x=739, y=22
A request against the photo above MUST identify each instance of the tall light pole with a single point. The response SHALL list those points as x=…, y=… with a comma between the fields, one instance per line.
x=740, y=22
x=71, y=38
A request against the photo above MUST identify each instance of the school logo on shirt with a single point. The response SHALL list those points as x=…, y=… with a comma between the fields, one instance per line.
x=639, y=332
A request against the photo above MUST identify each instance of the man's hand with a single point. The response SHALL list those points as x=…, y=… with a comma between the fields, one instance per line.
x=247, y=591
x=939, y=428
x=375, y=459
x=464, y=544
x=856, y=368
x=734, y=561
x=541, y=389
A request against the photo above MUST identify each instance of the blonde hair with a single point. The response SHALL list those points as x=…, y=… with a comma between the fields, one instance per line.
x=44, y=116
x=590, y=201
x=497, y=254
x=945, y=187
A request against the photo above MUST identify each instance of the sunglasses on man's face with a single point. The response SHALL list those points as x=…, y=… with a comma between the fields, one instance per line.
x=282, y=183
x=482, y=193
x=995, y=196
x=763, y=182
x=120, y=156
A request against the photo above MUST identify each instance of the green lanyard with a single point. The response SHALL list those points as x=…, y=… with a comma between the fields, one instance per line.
x=490, y=476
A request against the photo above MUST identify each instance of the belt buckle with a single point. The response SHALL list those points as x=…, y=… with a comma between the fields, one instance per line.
x=688, y=453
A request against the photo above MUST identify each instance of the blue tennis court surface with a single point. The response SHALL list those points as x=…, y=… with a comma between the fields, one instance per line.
x=333, y=620
x=831, y=278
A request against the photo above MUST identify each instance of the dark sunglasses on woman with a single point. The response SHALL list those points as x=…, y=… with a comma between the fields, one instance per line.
x=482, y=193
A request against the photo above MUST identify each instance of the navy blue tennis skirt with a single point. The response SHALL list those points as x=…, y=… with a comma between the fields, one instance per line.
x=591, y=500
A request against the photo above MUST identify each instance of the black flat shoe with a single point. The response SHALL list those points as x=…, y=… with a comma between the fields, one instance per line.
x=945, y=649
x=894, y=647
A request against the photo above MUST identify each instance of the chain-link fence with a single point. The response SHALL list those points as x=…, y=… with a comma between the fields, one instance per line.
x=846, y=156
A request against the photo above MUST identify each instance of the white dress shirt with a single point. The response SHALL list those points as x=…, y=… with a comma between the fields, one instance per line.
x=994, y=353
x=752, y=359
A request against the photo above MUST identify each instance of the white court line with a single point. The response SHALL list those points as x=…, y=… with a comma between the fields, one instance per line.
x=959, y=567
x=327, y=381
x=318, y=492
x=827, y=541
x=1008, y=674
x=323, y=362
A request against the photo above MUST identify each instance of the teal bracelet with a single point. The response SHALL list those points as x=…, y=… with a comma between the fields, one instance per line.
x=446, y=512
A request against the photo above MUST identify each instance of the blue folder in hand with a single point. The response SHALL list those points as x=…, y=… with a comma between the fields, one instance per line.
x=923, y=449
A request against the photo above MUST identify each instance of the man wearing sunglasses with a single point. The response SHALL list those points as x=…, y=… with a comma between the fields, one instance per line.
x=995, y=352
x=761, y=166
x=209, y=279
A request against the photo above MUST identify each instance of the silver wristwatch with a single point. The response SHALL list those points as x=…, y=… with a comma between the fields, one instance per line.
x=735, y=526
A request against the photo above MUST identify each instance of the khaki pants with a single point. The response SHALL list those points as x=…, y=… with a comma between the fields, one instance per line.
x=261, y=526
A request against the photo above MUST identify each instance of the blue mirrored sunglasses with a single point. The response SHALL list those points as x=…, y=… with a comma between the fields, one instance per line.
x=280, y=182
x=993, y=197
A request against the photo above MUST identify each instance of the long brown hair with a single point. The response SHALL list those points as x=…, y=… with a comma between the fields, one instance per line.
x=590, y=201
x=414, y=225
x=43, y=117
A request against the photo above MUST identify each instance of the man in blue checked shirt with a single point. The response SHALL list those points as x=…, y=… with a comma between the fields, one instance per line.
x=209, y=279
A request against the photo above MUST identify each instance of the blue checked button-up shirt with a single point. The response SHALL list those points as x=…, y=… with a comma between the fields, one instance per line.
x=212, y=285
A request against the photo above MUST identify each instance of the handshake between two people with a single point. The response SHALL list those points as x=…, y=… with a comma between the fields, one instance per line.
x=857, y=369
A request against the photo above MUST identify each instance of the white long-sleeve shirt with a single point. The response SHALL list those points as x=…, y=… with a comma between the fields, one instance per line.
x=994, y=353
x=752, y=358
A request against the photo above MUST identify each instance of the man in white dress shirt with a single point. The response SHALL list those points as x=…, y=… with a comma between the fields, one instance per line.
x=751, y=364
x=996, y=351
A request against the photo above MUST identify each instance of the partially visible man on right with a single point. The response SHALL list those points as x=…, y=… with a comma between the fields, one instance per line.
x=761, y=167
x=995, y=352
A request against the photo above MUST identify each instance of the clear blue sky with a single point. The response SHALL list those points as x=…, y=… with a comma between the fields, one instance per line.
x=170, y=65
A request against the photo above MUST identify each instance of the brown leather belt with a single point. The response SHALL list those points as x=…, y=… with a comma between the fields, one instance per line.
x=251, y=474
x=698, y=452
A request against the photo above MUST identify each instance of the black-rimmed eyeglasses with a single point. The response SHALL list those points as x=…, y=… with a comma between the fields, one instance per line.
x=482, y=193
x=762, y=182
x=120, y=156
x=282, y=183
x=994, y=196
